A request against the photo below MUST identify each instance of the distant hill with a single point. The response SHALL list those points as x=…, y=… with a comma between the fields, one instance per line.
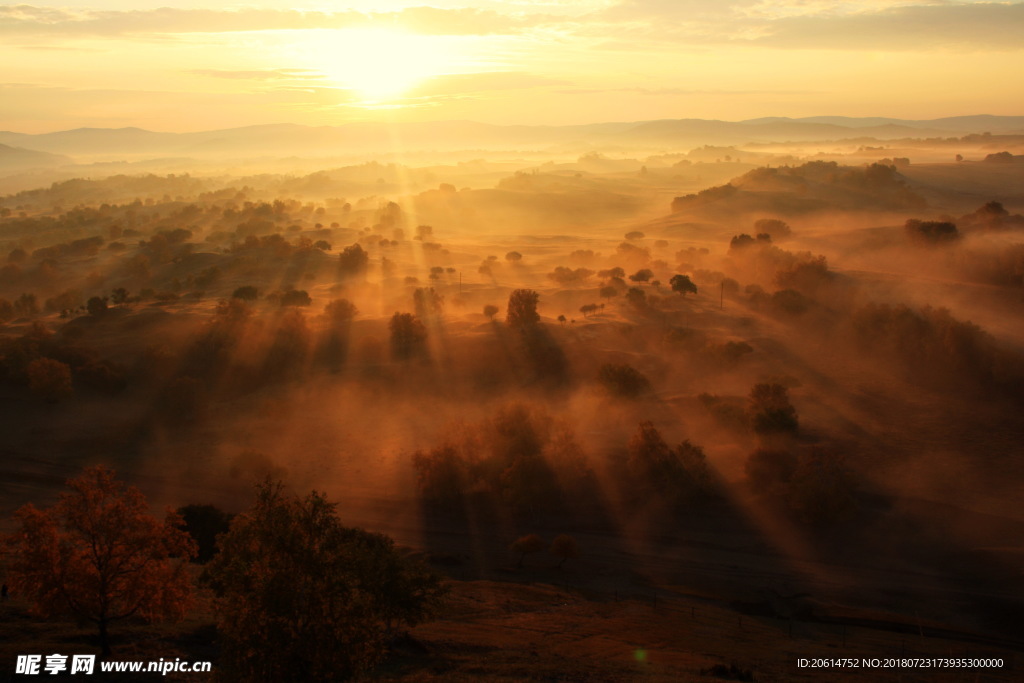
x=287, y=140
x=17, y=158
x=811, y=187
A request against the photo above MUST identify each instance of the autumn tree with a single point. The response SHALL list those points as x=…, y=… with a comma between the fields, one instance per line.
x=526, y=545
x=300, y=596
x=100, y=556
x=522, y=309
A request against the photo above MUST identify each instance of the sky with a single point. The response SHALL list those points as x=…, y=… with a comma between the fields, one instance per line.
x=190, y=66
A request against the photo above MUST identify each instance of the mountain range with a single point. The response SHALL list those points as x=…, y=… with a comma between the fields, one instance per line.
x=284, y=140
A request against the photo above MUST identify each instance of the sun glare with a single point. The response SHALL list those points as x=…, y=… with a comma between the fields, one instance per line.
x=379, y=64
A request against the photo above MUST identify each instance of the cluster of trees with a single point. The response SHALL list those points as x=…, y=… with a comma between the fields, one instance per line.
x=935, y=346
x=678, y=476
x=298, y=594
x=931, y=232
x=52, y=369
x=520, y=456
x=564, y=547
x=815, y=484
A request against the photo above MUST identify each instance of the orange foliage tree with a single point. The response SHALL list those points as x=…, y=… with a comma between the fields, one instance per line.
x=99, y=556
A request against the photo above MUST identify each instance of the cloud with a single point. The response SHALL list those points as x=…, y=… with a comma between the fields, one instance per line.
x=261, y=75
x=978, y=25
x=460, y=84
x=685, y=92
x=27, y=20
x=894, y=25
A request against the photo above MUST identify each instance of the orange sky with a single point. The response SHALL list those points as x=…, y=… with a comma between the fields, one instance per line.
x=198, y=66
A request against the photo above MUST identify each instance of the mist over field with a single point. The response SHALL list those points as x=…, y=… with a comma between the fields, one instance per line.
x=761, y=380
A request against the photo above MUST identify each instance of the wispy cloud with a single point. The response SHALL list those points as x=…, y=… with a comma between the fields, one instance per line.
x=892, y=25
x=30, y=20
x=261, y=74
x=456, y=84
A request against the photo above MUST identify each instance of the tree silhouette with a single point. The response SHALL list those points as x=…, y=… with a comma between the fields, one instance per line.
x=96, y=306
x=490, y=310
x=408, y=336
x=352, y=260
x=246, y=293
x=522, y=309
x=771, y=410
x=302, y=597
x=642, y=275
x=531, y=543
x=565, y=547
x=100, y=556
x=623, y=380
x=682, y=284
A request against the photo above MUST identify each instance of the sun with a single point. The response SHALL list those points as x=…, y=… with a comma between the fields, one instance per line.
x=378, y=64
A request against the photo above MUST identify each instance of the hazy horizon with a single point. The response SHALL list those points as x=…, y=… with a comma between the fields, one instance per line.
x=112, y=64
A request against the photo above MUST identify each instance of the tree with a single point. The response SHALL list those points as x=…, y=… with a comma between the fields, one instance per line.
x=637, y=297
x=340, y=312
x=96, y=306
x=296, y=297
x=353, y=260
x=490, y=310
x=408, y=336
x=513, y=257
x=565, y=547
x=246, y=293
x=99, y=555
x=682, y=284
x=427, y=302
x=522, y=309
x=302, y=597
x=204, y=523
x=49, y=378
x=524, y=545
x=623, y=380
x=771, y=410
x=642, y=275
x=119, y=296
